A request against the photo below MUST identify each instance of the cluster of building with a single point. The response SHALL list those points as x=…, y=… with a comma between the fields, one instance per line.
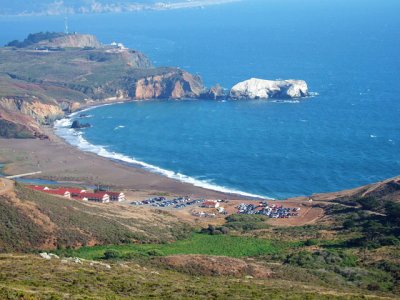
x=80, y=194
x=272, y=211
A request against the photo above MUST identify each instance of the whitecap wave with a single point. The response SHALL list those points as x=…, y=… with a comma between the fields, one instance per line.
x=119, y=127
x=75, y=138
x=285, y=101
x=313, y=94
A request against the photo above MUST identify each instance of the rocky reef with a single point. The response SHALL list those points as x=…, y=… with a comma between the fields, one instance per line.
x=263, y=89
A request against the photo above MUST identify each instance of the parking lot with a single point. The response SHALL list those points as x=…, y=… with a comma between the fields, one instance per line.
x=162, y=202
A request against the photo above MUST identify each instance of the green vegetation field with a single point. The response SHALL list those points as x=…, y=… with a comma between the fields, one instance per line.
x=225, y=245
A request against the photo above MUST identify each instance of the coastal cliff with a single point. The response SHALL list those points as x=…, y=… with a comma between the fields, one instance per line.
x=174, y=84
x=48, y=75
x=263, y=89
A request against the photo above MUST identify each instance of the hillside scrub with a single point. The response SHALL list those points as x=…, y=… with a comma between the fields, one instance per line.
x=32, y=220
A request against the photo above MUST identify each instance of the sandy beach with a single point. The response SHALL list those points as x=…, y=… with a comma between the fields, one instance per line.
x=62, y=162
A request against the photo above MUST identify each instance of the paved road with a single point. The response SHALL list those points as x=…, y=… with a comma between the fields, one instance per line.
x=23, y=175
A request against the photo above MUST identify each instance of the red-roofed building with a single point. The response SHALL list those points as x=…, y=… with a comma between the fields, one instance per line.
x=115, y=196
x=79, y=194
x=96, y=197
x=73, y=192
x=65, y=194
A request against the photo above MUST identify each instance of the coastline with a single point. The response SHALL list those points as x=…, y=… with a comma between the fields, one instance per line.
x=60, y=161
x=138, y=7
x=61, y=129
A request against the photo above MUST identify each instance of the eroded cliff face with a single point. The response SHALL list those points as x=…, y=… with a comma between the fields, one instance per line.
x=22, y=118
x=40, y=112
x=171, y=85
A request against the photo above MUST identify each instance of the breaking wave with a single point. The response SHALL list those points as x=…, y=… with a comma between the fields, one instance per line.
x=75, y=138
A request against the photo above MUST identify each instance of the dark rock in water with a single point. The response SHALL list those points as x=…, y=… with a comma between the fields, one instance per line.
x=77, y=125
x=216, y=92
x=83, y=115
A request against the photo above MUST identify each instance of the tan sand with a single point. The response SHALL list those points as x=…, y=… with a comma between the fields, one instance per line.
x=62, y=162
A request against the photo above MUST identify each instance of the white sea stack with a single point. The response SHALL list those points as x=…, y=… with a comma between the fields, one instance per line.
x=255, y=88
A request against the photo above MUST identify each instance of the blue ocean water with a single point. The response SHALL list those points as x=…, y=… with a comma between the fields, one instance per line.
x=347, y=51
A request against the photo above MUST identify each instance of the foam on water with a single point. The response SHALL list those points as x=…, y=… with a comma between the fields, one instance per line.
x=75, y=138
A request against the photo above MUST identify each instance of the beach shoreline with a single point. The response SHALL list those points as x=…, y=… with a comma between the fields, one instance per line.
x=61, y=131
x=62, y=162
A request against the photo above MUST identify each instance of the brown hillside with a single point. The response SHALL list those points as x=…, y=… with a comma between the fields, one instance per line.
x=34, y=220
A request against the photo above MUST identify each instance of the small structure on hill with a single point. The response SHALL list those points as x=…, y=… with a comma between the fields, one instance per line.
x=210, y=204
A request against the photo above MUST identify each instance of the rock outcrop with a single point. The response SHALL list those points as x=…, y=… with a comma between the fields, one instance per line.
x=216, y=92
x=20, y=118
x=78, y=125
x=173, y=84
x=263, y=89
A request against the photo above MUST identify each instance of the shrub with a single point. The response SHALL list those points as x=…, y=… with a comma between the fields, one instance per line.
x=348, y=224
x=370, y=203
x=111, y=254
x=212, y=230
x=389, y=241
x=393, y=212
x=311, y=242
x=155, y=252
x=320, y=259
x=246, y=222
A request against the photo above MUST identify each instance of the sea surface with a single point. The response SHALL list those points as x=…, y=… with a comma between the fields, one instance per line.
x=347, y=135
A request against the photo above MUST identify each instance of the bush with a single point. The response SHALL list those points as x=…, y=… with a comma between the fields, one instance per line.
x=311, y=242
x=246, y=222
x=319, y=259
x=389, y=241
x=212, y=230
x=370, y=203
x=348, y=224
x=155, y=252
x=393, y=212
x=111, y=254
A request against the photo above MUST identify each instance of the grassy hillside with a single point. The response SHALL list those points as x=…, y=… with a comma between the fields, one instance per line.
x=29, y=277
x=353, y=248
x=72, y=74
x=352, y=252
x=34, y=220
x=50, y=74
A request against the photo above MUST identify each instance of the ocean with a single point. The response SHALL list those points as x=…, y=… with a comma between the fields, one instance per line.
x=347, y=135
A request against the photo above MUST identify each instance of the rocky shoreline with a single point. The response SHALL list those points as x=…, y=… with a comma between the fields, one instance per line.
x=49, y=75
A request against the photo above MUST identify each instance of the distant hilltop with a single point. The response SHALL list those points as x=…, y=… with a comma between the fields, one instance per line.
x=57, y=40
x=53, y=7
x=51, y=74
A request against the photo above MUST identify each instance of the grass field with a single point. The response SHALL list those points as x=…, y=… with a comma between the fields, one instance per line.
x=30, y=277
x=225, y=245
